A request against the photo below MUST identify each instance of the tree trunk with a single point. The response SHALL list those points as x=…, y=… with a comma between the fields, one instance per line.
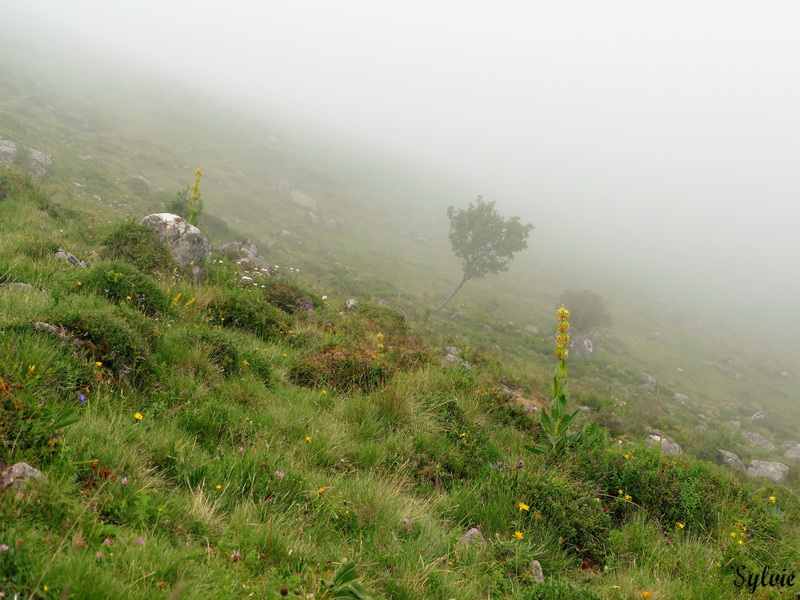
x=455, y=291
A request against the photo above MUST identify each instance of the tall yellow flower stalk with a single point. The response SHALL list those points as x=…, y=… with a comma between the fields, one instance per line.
x=195, y=205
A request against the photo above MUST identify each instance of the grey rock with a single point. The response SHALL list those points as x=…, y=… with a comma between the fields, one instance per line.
x=668, y=447
x=756, y=439
x=453, y=357
x=313, y=219
x=19, y=287
x=535, y=569
x=488, y=328
x=8, y=150
x=759, y=415
x=775, y=471
x=254, y=264
x=650, y=382
x=457, y=315
x=580, y=346
x=17, y=476
x=239, y=249
x=351, y=304
x=680, y=398
x=333, y=224
x=70, y=258
x=285, y=235
x=731, y=460
x=302, y=199
x=532, y=329
x=141, y=184
x=473, y=536
x=186, y=243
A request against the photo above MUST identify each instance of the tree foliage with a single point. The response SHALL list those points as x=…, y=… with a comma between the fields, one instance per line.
x=484, y=240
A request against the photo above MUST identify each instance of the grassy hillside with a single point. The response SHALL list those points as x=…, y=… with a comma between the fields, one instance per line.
x=218, y=439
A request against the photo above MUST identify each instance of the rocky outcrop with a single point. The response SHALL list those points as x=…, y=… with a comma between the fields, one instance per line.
x=37, y=161
x=187, y=244
x=239, y=249
x=775, y=471
x=793, y=453
x=756, y=439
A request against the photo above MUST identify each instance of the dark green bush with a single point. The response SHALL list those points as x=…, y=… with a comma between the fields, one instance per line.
x=247, y=310
x=670, y=489
x=340, y=368
x=125, y=284
x=138, y=245
x=288, y=297
x=587, y=309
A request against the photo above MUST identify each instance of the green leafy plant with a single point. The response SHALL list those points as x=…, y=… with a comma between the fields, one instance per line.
x=344, y=585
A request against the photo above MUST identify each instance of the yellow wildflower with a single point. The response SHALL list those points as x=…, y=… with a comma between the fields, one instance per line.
x=772, y=499
x=219, y=487
x=308, y=438
x=321, y=491
x=245, y=363
x=518, y=535
x=98, y=364
x=138, y=416
x=523, y=506
x=680, y=525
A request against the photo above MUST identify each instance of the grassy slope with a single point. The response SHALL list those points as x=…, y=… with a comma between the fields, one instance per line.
x=381, y=457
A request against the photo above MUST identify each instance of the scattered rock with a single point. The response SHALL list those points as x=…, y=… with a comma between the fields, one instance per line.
x=731, y=460
x=532, y=329
x=756, y=439
x=18, y=475
x=70, y=258
x=650, y=382
x=457, y=315
x=38, y=161
x=19, y=287
x=759, y=415
x=535, y=569
x=254, y=264
x=775, y=471
x=682, y=398
x=186, y=243
x=669, y=448
x=8, y=150
x=285, y=235
x=735, y=423
x=473, y=535
x=351, y=304
x=313, y=219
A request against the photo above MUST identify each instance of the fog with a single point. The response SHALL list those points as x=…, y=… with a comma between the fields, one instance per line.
x=655, y=140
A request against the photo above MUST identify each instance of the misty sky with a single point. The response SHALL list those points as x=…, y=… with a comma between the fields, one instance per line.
x=660, y=137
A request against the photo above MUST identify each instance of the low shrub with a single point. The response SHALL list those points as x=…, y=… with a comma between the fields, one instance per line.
x=125, y=284
x=247, y=310
x=138, y=245
x=289, y=297
x=344, y=369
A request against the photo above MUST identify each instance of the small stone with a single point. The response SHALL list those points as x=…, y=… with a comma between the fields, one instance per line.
x=473, y=535
x=731, y=460
x=18, y=475
x=535, y=569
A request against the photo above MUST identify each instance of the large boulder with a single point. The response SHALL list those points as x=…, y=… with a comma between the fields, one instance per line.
x=187, y=244
x=731, y=460
x=239, y=249
x=776, y=471
x=793, y=452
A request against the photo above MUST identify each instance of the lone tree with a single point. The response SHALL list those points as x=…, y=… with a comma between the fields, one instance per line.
x=483, y=240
